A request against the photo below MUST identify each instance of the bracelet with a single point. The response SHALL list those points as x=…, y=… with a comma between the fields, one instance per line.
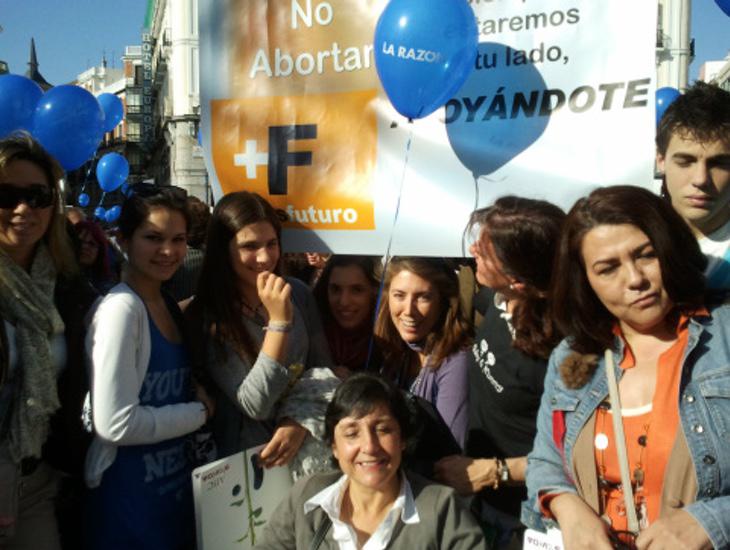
x=498, y=474
x=279, y=326
x=502, y=473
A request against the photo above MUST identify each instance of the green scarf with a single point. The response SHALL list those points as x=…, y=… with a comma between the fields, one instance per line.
x=26, y=302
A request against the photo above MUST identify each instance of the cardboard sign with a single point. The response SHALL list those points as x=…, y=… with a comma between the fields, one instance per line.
x=234, y=497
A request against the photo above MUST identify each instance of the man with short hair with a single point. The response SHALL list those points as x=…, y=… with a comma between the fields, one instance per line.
x=693, y=154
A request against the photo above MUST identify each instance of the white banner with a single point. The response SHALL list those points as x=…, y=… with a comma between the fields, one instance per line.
x=561, y=101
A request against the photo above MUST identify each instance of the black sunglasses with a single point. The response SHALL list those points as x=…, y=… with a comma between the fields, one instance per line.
x=35, y=195
x=147, y=190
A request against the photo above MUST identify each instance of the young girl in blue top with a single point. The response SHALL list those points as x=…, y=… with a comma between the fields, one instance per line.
x=143, y=400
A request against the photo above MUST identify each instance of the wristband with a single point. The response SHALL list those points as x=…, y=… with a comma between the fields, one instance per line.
x=279, y=326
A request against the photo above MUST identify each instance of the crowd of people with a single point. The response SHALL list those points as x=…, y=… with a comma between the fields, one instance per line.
x=572, y=374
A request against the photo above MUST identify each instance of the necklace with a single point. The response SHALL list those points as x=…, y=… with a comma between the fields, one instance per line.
x=611, y=493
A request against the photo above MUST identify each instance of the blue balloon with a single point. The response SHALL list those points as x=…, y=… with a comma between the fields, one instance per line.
x=664, y=98
x=481, y=129
x=100, y=213
x=724, y=6
x=112, y=171
x=68, y=122
x=112, y=214
x=83, y=200
x=113, y=110
x=424, y=51
x=19, y=97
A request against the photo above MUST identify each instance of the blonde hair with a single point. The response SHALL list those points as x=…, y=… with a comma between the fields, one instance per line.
x=21, y=146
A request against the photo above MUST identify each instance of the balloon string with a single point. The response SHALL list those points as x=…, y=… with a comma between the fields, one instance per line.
x=476, y=192
x=386, y=261
x=101, y=200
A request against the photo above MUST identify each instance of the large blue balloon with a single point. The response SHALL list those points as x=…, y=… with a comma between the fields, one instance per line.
x=112, y=171
x=19, y=97
x=113, y=110
x=724, y=6
x=499, y=112
x=664, y=98
x=424, y=50
x=68, y=122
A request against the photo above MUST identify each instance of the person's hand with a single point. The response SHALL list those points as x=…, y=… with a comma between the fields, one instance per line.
x=275, y=295
x=284, y=445
x=580, y=525
x=678, y=529
x=208, y=402
x=466, y=475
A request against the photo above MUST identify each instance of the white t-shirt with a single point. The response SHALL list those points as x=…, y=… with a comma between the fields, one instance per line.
x=716, y=246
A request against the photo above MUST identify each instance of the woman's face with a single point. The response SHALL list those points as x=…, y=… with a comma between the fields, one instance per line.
x=350, y=296
x=254, y=249
x=490, y=271
x=369, y=449
x=415, y=306
x=22, y=226
x=158, y=246
x=89, y=250
x=624, y=272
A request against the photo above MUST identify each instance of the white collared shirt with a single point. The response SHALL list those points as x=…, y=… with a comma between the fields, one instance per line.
x=330, y=500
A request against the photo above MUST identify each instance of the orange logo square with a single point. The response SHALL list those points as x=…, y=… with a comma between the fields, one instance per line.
x=312, y=156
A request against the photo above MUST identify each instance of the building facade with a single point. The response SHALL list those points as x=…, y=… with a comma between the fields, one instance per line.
x=175, y=157
x=674, y=46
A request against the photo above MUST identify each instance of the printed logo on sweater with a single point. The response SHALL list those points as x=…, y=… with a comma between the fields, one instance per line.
x=485, y=360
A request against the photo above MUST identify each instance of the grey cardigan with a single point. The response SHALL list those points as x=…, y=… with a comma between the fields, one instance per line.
x=247, y=409
x=445, y=522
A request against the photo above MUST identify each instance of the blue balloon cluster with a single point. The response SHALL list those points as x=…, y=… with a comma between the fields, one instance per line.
x=424, y=50
x=19, y=97
x=68, y=122
x=113, y=213
x=113, y=110
x=112, y=171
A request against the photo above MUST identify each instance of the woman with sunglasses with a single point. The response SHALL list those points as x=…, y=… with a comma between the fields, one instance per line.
x=629, y=295
x=42, y=379
x=261, y=335
x=143, y=399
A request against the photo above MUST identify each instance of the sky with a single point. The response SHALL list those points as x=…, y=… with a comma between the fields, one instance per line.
x=72, y=35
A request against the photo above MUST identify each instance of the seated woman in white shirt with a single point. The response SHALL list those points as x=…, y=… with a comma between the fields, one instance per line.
x=372, y=503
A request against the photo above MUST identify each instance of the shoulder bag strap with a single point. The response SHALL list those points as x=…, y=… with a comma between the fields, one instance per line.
x=321, y=533
x=618, y=432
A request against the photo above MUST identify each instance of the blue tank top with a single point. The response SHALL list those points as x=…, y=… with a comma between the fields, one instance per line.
x=145, y=496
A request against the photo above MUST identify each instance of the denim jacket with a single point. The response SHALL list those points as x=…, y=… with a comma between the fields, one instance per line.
x=704, y=410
